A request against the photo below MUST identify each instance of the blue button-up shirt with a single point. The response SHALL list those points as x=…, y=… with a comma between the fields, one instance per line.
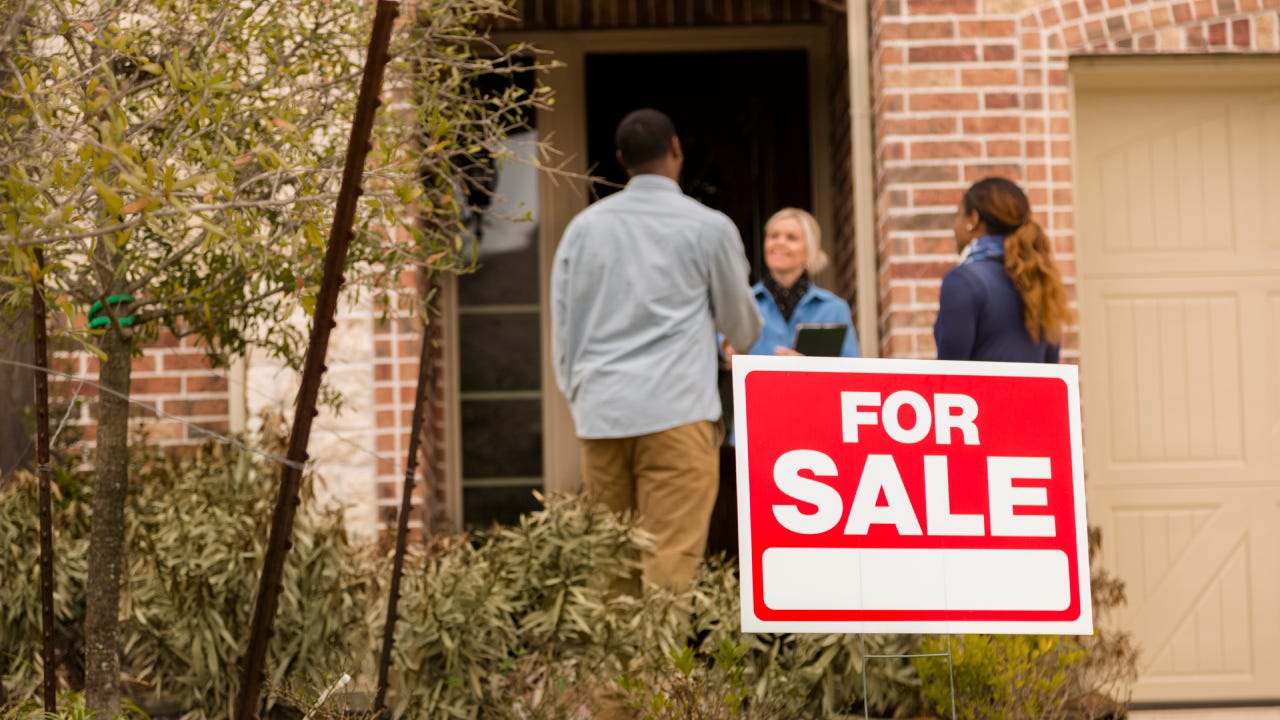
x=817, y=306
x=641, y=282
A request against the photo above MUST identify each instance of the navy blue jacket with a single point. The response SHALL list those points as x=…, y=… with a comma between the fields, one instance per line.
x=980, y=317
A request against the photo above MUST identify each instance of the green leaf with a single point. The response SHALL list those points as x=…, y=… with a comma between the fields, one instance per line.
x=110, y=198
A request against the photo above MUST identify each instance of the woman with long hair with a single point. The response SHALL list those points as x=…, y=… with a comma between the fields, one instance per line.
x=1004, y=301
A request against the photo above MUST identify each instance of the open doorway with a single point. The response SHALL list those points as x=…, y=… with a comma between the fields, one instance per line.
x=743, y=121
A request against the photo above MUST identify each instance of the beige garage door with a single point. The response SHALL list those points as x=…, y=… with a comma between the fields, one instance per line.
x=1178, y=192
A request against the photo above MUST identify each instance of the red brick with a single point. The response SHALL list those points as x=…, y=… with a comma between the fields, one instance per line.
x=930, y=30
x=381, y=372
x=896, y=345
x=922, y=174
x=897, y=295
x=206, y=383
x=927, y=294
x=993, y=124
x=409, y=394
x=923, y=221
x=930, y=77
x=143, y=364
x=998, y=53
x=942, y=53
x=891, y=55
x=925, y=102
x=986, y=77
x=941, y=7
x=383, y=396
x=933, y=246
x=988, y=28
x=1004, y=148
x=1000, y=100
x=183, y=361
x=385, y=419
x=923, y=197
x=919, y=126
x=944, y=149
x=194, y=408
x=1240, y=34
x=164, y=385
x=166, y=340
x=978, y=171
x=221, y=427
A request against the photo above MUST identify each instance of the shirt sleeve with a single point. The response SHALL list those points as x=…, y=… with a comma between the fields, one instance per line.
x=560, y=317
x=955, y=330
x=732, y=304
x=851, y=348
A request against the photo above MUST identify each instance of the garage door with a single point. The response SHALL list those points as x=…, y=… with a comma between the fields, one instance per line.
x=1178, y=216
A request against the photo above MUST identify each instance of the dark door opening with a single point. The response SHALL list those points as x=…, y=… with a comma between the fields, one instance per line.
x=743, y=121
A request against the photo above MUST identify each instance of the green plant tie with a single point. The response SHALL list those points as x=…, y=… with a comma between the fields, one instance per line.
x=98, y=320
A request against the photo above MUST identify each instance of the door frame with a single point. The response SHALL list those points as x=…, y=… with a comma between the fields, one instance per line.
x=559, y=199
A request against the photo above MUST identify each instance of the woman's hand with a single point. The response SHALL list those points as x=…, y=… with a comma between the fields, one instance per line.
x=781, y=350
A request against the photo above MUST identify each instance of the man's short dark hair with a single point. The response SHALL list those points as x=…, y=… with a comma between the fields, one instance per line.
x=644, y=136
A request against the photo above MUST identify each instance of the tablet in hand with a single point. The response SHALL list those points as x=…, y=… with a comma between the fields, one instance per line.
x=820, y=339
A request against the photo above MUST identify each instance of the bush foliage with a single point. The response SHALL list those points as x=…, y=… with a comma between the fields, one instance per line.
x=516, y=622
x=1048, y=677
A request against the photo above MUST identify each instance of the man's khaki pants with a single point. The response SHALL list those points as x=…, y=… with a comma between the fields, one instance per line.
x=669, y=479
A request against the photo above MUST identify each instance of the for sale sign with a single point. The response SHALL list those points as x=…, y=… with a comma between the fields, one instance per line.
x=910, y=496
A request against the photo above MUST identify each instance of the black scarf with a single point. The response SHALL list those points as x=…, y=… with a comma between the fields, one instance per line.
x=787, y=298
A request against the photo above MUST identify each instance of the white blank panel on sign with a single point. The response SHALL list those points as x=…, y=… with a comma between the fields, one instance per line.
x=911, y=579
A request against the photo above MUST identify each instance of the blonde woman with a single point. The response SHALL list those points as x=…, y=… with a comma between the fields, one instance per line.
x=1004, y=302
x=786, y=296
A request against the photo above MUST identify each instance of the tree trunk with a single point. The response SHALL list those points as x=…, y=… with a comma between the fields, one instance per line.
x=106, y=533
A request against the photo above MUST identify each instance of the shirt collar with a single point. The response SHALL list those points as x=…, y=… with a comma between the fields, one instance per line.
x=987, y=247
x=653, y=182
x=761, y=291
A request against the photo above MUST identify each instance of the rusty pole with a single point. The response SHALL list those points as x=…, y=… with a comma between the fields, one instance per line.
x=426, y=384
x=264, y=610
x=41, y=332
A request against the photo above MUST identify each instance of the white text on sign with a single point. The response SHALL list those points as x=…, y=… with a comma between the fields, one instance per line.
x=949, y=412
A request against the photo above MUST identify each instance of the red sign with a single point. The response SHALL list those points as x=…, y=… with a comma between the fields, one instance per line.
x=910, y=496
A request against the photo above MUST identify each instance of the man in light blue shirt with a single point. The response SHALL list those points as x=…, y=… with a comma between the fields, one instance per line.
x=642, y=281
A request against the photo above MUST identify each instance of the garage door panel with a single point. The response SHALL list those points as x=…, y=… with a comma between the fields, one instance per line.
x=1213, y=637
x=1173, y=197
x=1178, y=245
x=1173, y=398
x=1268, y=187
x=1149, y=542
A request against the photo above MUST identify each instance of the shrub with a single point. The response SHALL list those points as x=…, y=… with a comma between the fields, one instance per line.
x=1038, y=676
x=194, y=541
x=515, y=622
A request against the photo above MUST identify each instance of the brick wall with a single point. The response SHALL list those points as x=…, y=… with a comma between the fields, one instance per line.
x=397, y=342
x=172, y=376
x=967, y=88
